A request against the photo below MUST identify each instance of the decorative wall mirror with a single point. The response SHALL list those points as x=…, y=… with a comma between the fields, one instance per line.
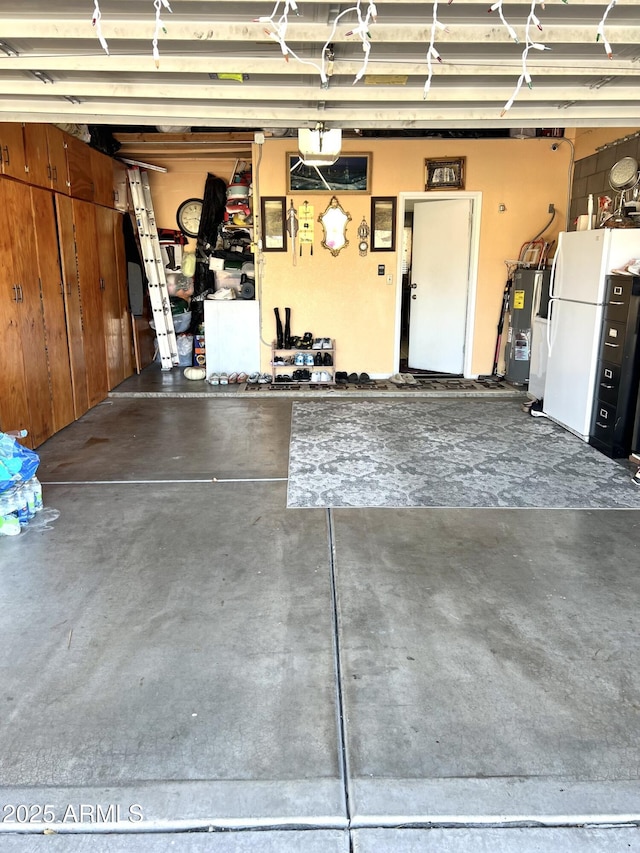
x=334, y=222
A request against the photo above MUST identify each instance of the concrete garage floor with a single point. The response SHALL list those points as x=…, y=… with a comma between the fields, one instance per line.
x=190, y=666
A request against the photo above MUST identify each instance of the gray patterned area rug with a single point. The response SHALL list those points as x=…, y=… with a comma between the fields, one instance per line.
x=445, y=453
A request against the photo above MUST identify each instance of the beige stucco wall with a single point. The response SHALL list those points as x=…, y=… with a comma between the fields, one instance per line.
x=344, y=298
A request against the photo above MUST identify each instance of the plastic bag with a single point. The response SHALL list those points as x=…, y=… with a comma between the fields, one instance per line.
x=17, y=463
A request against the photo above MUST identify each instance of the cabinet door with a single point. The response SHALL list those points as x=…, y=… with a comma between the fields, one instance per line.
x=37, y=155
x=102, y=171
x=55, y=327
x=72, y=303
x=32, y=335
x=111, y=311
x=84, y=218
x=12, y=150
x=80, y=169
x=14, y=408
x=57, y=150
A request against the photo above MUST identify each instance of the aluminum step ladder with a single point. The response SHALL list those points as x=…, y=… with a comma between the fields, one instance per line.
x=154, y=267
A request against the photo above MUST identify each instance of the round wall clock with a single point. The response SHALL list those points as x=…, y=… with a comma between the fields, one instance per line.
x=188, y=216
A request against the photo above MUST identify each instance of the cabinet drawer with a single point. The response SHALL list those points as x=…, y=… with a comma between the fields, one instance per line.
x=604, y=421
x=608, y=382
x=612, y=342
x=620, y=288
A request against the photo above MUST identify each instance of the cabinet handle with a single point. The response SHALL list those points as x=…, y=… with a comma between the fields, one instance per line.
x=5, y=148
x=15, y=293
x=18, y=293
x=616, y=303
x=602, y=385
x=615, y=346
x=101, y=284
x=602, y=426
x=49, y=170
x=61, y=288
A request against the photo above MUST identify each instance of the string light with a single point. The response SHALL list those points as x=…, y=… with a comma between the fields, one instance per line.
x=278, y=33
x=497, y=7
x=432, y=53
x=97, y=14
x=601, y=34
x=158, y=6
x=525, y=77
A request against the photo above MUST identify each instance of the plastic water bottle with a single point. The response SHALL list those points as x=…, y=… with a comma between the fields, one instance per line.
x=23, y=508
x=37, y=494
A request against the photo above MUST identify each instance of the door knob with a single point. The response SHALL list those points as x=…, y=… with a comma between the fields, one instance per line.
x=413, y=286
x=414, y=296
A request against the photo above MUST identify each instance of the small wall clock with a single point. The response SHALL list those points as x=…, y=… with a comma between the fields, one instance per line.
x=188, y=216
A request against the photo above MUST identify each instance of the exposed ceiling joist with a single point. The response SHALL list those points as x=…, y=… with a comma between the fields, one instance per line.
x=51, y=59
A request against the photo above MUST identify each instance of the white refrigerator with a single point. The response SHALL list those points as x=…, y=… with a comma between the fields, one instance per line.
x=577, y=294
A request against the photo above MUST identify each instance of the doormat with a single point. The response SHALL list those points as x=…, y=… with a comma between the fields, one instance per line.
x=445, y=452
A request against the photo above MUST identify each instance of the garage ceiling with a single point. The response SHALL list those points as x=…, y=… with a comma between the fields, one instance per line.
x=53, y=68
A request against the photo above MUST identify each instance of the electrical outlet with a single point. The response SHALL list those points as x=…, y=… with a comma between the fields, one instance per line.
x=552, y=208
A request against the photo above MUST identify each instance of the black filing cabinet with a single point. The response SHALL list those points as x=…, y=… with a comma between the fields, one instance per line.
x=617, y=378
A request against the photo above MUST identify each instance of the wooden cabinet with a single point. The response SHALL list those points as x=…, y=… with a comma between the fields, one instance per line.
x=26, y=389
x=65, y=328
x=12, y=156
x=46, y=156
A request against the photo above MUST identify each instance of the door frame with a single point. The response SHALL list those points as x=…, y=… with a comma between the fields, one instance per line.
x=409, y=199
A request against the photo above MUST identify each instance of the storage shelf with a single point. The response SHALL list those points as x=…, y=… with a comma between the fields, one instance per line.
x=312, y=368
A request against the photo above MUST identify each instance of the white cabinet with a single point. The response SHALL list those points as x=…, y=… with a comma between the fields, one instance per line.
x=232, y=335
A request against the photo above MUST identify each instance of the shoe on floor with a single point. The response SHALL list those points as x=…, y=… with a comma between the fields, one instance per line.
x=535, y=409
x=264, y=378
x=397, y=379
x=409, y=379
x=242, y=377
x=341, y=377
x=353, y=378
x=364, y=378
x=253, y=378
x=224, y=378
x=214, y=379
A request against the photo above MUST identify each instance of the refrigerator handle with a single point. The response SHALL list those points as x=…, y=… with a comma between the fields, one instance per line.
x=549, y=324
x=552, y=278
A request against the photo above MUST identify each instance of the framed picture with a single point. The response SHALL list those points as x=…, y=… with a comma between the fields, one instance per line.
x=383, y=224
x=351, y=173
x=446, y=173
x=274, y=230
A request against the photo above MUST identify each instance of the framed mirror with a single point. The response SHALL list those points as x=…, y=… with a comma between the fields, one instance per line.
x=383, y=224
x=274, y=231
x=334, y=222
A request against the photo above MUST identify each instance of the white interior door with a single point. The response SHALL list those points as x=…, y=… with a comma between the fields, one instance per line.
x=440, y=284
